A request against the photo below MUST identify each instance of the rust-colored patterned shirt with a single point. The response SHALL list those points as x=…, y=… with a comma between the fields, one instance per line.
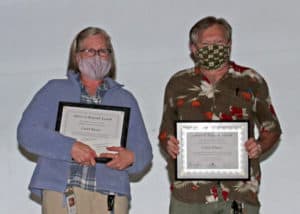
x=241, y=94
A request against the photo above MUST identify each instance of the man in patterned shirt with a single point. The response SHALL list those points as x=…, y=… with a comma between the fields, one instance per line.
x=217, y=89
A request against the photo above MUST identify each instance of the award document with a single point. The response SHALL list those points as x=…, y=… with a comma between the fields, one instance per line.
x=212, y=150
x=98, y=126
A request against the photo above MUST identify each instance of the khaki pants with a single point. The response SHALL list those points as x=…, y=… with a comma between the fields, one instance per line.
x=86, y=202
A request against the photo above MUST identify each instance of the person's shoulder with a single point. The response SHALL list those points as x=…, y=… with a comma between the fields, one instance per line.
x=188, y=72
x=118, y=89
x=122, y=90
x=56, y=86
x=57, y=83
x=70, y=78
x=122, y=96
x=182, y=75
x=240, y=71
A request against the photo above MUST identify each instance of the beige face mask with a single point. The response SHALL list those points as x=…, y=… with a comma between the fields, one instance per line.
x=94, y=68
x=213, y=56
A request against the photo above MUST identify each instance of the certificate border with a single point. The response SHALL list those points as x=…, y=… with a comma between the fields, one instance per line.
x=199, y=176
x=126, y=111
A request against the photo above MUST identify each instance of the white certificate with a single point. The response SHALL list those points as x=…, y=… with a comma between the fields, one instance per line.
x=98, y=126
x=212, y=150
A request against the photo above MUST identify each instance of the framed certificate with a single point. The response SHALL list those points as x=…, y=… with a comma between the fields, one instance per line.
x=98, y=126
x=212, y=150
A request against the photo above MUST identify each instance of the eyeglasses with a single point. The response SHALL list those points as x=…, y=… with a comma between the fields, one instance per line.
x=213, y=43
x=100, y=52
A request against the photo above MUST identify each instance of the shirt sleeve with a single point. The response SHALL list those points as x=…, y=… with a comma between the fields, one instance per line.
x=137, y=139
x=169, y=116
x=266, y=117
x=36, y=132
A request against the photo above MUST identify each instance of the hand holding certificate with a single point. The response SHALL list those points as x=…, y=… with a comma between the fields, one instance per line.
x=97, y=126
x=212, y=150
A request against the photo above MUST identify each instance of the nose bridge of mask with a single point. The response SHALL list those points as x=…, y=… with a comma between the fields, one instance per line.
x=97, y=61
x=93, y=67
x=97, y=64
x=211, y=48
x=90, y=62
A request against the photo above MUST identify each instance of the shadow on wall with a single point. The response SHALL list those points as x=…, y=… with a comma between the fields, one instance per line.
x=165, y=155
x=32, y=158
x=137, y=177
x=29, y=156
x=35, y=198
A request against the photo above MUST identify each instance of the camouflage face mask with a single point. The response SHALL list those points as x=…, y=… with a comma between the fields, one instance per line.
x=212, y=57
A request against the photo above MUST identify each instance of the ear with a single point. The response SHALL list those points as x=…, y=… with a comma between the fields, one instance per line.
x=193, y=48
x=229, y=44
x=77, y=57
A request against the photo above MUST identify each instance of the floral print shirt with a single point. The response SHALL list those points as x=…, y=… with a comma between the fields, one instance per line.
x=241, y=94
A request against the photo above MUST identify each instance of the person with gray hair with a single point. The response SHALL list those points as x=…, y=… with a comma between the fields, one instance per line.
x=67, y=176
x=219, y=90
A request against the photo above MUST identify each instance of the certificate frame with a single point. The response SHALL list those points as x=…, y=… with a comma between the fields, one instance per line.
x=212, y=150
x=88, y=123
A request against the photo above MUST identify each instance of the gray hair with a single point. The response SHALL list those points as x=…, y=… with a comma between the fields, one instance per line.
x=76, y=43
x=207, y=22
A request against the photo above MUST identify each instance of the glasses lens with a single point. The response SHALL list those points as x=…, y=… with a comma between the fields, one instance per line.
x=91, y=52
x=104, y=52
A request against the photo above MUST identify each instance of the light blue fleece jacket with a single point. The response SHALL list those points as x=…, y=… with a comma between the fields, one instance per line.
x=36, y=133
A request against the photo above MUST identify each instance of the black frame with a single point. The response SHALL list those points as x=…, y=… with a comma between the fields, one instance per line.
x=126, y=111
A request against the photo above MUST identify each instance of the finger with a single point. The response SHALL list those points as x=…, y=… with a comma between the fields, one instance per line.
x=93, y=162
x=115, y=148
x=173, y=155
x=114, y=163
x=251, y=148
x=251, y=152
x=248, y=142
x=107, y=155
x=250, y=145
x=78, y=160
x=173, y=140
x=255, y=152
x=174, y=150
x=251, y=155
x=86, y=156
x=86, y=163
x=93, y=153
x=172, y=145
